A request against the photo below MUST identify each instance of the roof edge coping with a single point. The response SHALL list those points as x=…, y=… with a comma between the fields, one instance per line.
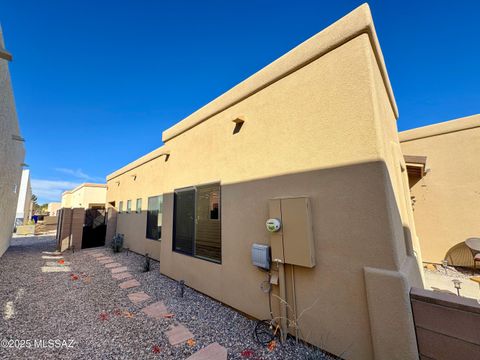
x=446, y=127
x=353, y=24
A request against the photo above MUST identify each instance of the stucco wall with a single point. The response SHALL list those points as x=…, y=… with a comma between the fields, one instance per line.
x=84, y=196
x=12, y=155
x=94, y=196
x=447, y=198
x=326, y=130
x=133, y=226
x=66, y=199
x=53, y=208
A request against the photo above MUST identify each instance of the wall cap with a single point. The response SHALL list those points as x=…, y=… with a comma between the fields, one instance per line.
x=446, y=127
x=84, y=185
x=357, y=22
x=443, y=299
x=161, y=151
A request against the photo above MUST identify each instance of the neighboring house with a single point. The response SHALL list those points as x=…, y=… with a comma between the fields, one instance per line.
x=11, y=149
x=53, y=207
x=444, y=176
x=85, y=196
x=310, y=140
x=24, y=204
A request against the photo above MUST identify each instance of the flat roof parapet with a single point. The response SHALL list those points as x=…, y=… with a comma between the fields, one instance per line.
x=357, y=22
x=161, y=151
x=465, y=123
x=85, y=185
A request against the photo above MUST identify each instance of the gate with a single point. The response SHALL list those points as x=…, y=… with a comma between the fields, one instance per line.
x=94, y=228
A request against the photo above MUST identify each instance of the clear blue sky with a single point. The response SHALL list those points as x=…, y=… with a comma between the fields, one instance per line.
x=96, y=82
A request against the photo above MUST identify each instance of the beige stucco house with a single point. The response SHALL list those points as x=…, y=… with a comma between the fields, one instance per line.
x=53, y=207
x=445, y=187
x=86, y=195
x=11, y=149
x=311, y=141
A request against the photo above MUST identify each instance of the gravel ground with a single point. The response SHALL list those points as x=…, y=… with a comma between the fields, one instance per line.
x=453, y=272
x=99, y=319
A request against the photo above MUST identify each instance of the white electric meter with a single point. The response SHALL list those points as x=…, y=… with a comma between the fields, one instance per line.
x=273, y=225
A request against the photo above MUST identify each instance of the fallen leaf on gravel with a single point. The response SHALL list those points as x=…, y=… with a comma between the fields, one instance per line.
x=128, y=314
x=168, y=316
x=272, y=345
x=87, y=280
x=155, y=349
x=191, y=342
x=103, y=316
x=247, y=353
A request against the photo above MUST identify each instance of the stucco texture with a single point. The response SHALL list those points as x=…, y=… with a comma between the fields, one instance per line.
x=53, y=208
x=133, y=226
x=85, y=196
x=12, y=155
x=447, y=198
x=324, y=128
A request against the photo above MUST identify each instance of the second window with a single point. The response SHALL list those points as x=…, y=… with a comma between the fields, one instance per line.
x=154, y=217
x=197, y=226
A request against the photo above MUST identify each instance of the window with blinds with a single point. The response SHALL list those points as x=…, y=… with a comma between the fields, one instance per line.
x=184, y=221
x=197, y=222
x=154, y=217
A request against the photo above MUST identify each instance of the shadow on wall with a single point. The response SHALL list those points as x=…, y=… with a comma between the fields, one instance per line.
x=459, y=255
x=409, y=247
x=141, y=233
x=413, y=180
x=111, y=222
x=356, y=224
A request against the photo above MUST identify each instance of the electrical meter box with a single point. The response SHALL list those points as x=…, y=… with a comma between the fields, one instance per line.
x=293, y=243
x=261, y=256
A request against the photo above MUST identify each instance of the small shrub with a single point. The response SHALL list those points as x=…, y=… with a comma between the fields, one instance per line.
x=117, y=243
x=146, y=265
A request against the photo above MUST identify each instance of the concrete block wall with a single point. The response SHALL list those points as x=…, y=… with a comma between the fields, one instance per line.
x=64, y=229
x=111, y=225
x=78, y=218
x=70, y=228
x=446, y=325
